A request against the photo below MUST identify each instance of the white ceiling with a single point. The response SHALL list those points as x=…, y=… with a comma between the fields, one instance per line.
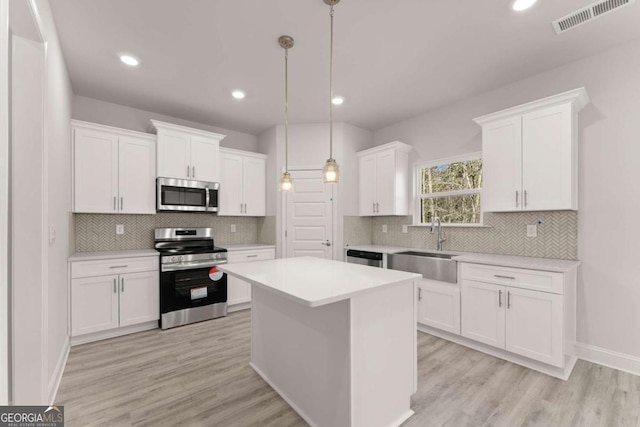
x=394, y=59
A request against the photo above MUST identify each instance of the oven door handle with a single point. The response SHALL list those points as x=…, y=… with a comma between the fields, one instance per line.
x=191, y=265
x=207, y=198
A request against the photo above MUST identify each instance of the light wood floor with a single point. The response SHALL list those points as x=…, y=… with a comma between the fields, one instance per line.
x=198, y=375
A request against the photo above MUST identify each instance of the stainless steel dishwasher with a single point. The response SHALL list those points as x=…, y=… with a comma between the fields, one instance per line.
x=373, y=259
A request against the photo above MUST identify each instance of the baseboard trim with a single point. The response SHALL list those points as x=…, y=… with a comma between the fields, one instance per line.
x=238, y=307
x=561, y=373
x=284, y=397
x=609, y=358
x=56, y=378
x=402, y=419
x=112, y=333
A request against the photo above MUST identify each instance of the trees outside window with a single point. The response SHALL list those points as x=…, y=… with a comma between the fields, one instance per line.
x=450, y=189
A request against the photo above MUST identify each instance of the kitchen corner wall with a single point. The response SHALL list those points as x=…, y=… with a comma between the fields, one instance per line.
x=96, y=232
x=504, y=233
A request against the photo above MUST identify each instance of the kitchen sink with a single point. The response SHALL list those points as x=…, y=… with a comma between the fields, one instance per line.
x=432, y=265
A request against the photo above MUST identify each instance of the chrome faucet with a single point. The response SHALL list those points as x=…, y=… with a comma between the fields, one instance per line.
x=440, y=238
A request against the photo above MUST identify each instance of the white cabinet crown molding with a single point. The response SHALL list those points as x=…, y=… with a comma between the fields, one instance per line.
x=156, y=125
x=79, y=124
x=578, y=97
x=225, y=150
x=395, y=145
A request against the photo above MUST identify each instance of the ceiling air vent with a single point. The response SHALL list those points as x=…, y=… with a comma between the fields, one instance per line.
x=588, y=13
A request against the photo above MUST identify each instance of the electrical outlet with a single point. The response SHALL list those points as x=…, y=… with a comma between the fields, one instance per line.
x=405, y=229
x=119, y=229
x=532, y=230
x=233, y=228
x=384, y=228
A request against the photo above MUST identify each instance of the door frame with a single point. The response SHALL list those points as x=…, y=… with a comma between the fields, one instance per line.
x=335, y=253
x=5, y=129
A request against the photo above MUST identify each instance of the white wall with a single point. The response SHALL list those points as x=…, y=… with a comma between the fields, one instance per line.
x=609, y=241
x=41, y=152
x=106, y=113
x=58, y=193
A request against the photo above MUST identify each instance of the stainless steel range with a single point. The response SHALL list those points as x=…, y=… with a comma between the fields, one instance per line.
x=192, y=289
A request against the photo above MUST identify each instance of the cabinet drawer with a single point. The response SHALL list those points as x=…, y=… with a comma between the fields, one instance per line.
x=516, y=277
x=113, y=266
x=248, y=256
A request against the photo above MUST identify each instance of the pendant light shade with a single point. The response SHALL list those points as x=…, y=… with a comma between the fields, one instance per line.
x=286, y=182
x=331, y=170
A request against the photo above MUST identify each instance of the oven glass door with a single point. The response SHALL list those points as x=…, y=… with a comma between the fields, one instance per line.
x=183, y=196
x=191, y=288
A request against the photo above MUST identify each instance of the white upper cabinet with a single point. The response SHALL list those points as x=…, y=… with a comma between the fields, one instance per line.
x=242, y=183
x=384, y=180
x=113, y=170
x=187, y=153
x=530, y=155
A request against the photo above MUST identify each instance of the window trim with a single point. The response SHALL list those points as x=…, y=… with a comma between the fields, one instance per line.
x=418, y=196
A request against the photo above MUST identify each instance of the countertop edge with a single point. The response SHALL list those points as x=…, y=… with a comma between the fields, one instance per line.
x=571, y=264
x=106, y=255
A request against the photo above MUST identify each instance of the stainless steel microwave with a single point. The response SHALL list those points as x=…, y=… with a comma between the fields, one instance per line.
x=181, y=195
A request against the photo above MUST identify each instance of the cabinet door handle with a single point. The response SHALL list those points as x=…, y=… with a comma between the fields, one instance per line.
x=115, y=287
x=122, y=284
x=500, y=298
x=241, y=207
x=525, y=198
x=373, y=209
x=115, y=203
x=504, y=277
x=119, y=266
x=419, y=294
x=121, y=203
x=188, y=172
x=517, y=198
x=508, y=299
x=193, y=171
x=377, y=207
x=252, y=256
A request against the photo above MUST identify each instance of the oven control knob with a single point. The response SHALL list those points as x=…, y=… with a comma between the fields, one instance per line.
x=212, y=256
x=181, y=258
x=174, y=259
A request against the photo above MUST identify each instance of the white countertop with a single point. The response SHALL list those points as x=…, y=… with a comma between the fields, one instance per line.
x=545, y=264
x=315, y=281
x=247, y=246
x=88, y=256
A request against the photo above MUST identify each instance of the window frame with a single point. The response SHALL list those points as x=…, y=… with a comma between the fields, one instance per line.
x=418, y=197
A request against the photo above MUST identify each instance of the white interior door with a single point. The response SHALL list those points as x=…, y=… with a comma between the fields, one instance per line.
x=309, y=216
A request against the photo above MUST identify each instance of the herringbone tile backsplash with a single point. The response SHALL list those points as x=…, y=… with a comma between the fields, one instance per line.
x=505, y=234
x=95, y=232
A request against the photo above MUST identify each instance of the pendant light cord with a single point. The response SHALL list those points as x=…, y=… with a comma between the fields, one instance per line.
x=286, y=110
x=331, y=14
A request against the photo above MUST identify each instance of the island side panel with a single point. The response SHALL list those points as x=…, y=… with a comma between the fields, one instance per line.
x=303, y=353
x=384, y=355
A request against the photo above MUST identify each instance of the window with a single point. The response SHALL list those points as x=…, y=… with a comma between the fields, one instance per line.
x=450, y=190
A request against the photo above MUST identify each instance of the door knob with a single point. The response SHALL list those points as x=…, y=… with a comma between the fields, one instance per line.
x=327, y=243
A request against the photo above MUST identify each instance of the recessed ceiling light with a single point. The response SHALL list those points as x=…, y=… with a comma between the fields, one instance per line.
x=337, y=100
x=129, y=60
x=238, y=94
x=520, y=5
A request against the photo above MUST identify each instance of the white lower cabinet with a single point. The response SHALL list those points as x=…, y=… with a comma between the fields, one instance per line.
x=530, y=323
x=439, y=305
x=106, y=305
x=239, y=291
x=483, y=315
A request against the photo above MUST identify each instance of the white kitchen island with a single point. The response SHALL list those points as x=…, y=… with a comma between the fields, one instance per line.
x=337, y=341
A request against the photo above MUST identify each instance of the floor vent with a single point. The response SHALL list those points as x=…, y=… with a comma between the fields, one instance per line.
x=588, y=13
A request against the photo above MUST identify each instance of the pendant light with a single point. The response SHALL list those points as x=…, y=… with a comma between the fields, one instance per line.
x=331, y=171
x=286, y=182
